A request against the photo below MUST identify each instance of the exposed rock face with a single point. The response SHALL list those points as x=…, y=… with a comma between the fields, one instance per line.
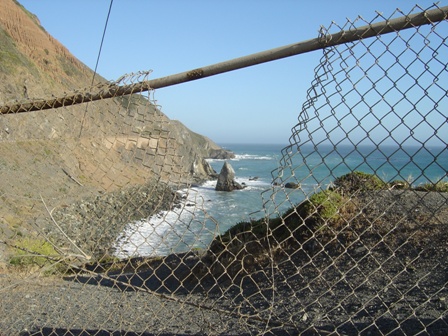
x=202, y=145
x=114, y=145
x=221, y=154
x=201, y=168
x=137, y=140
x=226, y=179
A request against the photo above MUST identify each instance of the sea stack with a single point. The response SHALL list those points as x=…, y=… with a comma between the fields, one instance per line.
x=226, y=179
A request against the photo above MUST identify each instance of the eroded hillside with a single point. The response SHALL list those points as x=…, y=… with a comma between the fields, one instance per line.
x=54, y=158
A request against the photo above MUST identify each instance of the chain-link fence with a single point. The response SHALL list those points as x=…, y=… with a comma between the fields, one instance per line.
x=350, y=238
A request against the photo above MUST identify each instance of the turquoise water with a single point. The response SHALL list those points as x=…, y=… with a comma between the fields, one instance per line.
x=207, y=212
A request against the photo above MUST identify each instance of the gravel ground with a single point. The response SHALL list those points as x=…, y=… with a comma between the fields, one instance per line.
x=389, y=280
x=55, y=307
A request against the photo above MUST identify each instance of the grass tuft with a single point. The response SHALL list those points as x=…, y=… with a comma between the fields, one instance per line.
x=32, y=253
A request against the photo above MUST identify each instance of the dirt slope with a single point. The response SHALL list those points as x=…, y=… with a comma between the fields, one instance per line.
x=33, y=63
x=60, y=156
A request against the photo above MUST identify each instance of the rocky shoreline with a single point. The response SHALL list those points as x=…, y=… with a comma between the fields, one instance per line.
x=97, y=221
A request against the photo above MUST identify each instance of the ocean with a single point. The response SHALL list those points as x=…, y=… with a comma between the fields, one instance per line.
x=206, y=213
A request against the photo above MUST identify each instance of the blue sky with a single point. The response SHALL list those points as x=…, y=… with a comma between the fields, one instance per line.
x=259, y=104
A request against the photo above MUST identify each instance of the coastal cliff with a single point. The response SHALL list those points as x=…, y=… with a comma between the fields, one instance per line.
x=54, y=159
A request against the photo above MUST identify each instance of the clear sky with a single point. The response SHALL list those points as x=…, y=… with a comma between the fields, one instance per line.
x=259, y=104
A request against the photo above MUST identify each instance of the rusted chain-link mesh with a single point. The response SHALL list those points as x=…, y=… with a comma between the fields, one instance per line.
x=361, y=248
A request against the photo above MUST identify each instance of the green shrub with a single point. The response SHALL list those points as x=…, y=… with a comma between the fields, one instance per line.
x=359, y=181
x=324, y=204
x=441, y=186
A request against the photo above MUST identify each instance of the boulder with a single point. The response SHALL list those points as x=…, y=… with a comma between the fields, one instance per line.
x=226, y=179
x=292, y=185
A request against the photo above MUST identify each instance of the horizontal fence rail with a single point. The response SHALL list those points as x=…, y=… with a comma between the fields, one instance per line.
x=380, y=28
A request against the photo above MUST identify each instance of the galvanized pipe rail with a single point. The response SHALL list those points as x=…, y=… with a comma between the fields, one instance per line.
x=380, y=28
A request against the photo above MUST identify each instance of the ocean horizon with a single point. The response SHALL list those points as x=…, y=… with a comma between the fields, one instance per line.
x=206, y=213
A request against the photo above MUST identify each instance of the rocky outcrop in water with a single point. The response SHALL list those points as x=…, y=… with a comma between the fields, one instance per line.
x=292, y=185
x=226, y=179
